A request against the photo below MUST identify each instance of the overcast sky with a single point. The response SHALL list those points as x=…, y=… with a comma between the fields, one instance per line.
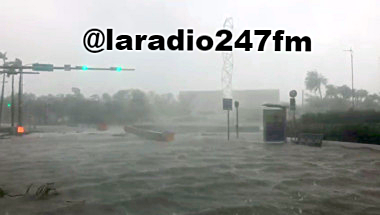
x=52, y=32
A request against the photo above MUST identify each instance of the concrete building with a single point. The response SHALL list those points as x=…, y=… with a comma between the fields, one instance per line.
x=211, y=101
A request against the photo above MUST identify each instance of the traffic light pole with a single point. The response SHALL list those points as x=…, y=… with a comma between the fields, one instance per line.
x=38, y=67
x=12, y=104
x=4, y=57
x=2, y=99
x=20, y=103
x=51, y=68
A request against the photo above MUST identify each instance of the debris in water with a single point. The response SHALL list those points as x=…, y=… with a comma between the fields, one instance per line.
x=166, y=136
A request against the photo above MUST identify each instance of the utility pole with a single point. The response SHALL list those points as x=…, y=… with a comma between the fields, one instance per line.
x=4, y=57
x=352, y=76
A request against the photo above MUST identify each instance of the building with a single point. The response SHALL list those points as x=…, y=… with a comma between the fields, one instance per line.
x=211, y=101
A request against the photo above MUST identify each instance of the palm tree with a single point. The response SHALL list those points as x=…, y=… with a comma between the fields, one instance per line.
x=331, y=91
x=314, y=82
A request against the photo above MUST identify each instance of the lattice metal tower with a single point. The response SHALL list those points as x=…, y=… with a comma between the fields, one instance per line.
x=228, y=64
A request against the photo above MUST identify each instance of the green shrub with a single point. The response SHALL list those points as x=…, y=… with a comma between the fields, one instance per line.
x=353, y=126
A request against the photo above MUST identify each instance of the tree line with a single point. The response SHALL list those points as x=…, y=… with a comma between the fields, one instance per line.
x=125, y=106
x=328, y=97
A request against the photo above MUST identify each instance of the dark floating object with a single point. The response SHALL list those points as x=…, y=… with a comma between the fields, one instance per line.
x=166, y=136
x=42, y=192
x=2, y=193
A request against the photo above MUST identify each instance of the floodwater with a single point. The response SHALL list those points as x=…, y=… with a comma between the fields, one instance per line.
x=99, y=173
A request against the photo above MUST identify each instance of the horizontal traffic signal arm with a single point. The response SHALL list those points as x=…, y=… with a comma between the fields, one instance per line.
x=51, y=68
x=14, y=72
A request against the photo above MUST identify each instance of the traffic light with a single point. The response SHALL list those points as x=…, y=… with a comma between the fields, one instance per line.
x=117, y=69
x=9, y=105
x=84, y=68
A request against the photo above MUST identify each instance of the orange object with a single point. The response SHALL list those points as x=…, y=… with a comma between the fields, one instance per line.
x=102, y=127
x=20, y=130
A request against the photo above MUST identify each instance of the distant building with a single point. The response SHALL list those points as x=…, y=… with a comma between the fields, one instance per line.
x=211, y=101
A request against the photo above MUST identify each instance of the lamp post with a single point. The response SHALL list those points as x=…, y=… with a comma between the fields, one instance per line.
x=352, y=76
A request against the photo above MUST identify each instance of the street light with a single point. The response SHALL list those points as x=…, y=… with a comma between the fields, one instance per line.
x=352, y=75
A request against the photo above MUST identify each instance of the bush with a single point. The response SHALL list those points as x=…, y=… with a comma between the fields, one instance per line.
x=368, y=116
x=354, y=126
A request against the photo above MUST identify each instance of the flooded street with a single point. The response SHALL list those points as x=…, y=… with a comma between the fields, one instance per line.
x=100, y=173
x=123, y=107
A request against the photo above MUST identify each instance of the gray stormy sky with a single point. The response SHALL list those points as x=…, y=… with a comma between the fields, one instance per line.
x=52, y=32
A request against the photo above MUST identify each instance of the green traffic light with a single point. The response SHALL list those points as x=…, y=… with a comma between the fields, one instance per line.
x=118, y=69
x=9, y=104
x=84, y=68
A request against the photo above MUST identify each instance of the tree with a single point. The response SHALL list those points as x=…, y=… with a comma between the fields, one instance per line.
x=76, y=91
x=95, y=97
x=314, y=82
x=337, y=98
x=344, y=92
x=331, y=91
x=360, y=95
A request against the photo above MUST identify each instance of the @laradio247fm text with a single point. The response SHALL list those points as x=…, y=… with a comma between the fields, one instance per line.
x=96, y=41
